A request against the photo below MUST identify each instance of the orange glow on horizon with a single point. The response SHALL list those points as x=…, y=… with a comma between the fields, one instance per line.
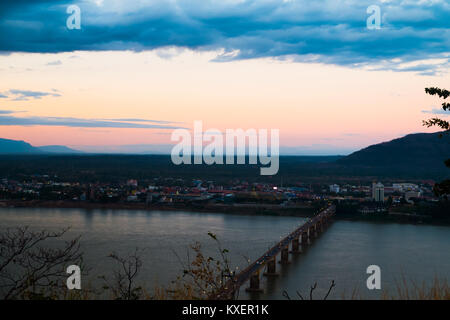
x=311, y=104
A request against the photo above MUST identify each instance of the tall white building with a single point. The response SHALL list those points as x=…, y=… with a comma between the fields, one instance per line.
x=378, y=192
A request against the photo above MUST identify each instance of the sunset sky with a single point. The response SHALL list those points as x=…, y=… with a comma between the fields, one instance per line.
x=135, y=72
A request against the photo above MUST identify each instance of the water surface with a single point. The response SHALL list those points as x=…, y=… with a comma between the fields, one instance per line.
x=342, y=253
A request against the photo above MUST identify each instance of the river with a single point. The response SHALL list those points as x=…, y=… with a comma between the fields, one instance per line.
x=342, y=253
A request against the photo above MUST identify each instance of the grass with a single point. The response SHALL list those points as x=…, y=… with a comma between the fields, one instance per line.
x=410, y=290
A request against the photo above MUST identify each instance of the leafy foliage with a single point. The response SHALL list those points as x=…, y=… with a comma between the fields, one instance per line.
x=442, y=188
x=203, y=276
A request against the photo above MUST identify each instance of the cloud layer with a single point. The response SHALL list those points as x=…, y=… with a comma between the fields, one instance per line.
x=326, y=31
x=8, y=119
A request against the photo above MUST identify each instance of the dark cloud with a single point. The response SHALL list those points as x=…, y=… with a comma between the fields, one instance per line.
x=326, y=31
x=77, y=122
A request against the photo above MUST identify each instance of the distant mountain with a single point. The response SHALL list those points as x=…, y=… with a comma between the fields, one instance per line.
x=21, y=147
x=424, y=150
x=58, y=149
x=415, y=157
x=16, y=147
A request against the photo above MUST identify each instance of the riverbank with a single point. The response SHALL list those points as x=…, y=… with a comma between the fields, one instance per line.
x=302, y=211
x=239, y=209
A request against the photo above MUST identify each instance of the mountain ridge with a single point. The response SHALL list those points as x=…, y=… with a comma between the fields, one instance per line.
x=8, y=146
x=414, y=149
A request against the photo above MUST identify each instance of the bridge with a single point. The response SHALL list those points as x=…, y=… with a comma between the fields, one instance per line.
x=298, y=238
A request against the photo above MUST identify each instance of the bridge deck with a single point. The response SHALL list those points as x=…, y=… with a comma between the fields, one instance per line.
x=238, y=280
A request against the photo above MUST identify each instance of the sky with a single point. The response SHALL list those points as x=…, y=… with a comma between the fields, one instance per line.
x=137, y=70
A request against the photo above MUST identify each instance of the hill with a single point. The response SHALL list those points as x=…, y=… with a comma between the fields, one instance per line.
x=16, y=147
x=415, y=157
x=8, y=146
x=420, y=150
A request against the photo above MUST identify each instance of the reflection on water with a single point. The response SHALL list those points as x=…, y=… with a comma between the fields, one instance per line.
x=342, y=253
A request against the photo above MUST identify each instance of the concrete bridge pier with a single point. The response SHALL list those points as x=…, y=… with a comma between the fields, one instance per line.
x=254, y=283
x=271, y=268
x=304, y=240
x=284, y=259
x=326, y=222
x=296, y=246
x=318, y=228
x=312, y=232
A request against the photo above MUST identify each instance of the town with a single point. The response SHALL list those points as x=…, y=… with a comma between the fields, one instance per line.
x=398, y=199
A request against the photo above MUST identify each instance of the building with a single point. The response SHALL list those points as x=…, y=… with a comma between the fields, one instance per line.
x=411, y=194
x=132, y=183
x=404, y=187
x=334, y=188
x=378, y=192
x=132, y=199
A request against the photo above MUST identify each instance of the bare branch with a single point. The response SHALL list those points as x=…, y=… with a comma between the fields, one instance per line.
x=311, y=291
x=27, y=269
x=329, y=290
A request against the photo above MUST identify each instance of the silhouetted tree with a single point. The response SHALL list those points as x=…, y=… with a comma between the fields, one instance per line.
x=204, y=276
x=123, y=285
x=29, y=269
x=442, y=188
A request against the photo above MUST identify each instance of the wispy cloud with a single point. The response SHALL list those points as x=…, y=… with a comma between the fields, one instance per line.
x=325, y=31
x=54, y=63
x=8, y=120
x=437, y=111
x=351, y=134
x=140, y=120
x=25, y=95
x=8, y=111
